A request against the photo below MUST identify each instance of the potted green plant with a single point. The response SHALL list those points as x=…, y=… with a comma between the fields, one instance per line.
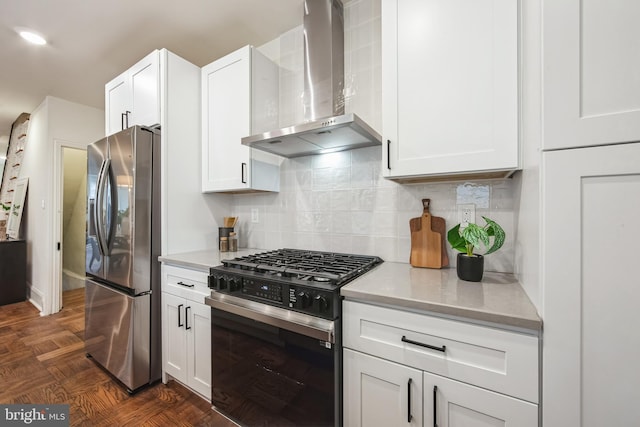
x=470, y=266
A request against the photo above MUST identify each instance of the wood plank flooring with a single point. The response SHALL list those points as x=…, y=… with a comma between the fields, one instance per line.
x=42, y=360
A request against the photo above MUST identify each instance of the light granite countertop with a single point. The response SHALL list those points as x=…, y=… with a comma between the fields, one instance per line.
x=498, y=299
x=203, y=260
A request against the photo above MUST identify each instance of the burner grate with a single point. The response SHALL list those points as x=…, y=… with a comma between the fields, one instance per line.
x=306, y=265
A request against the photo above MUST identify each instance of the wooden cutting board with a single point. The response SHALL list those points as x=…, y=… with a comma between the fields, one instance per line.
x=428, y=240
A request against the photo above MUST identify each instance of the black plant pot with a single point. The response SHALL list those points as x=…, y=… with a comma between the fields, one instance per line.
x=470, y=268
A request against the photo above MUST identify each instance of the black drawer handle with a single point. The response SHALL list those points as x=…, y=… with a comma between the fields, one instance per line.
x=186, y=317
x=186, y=284
x=180, y=317
x=432, y=347
x=435, y=406
x=389, y=154
x=409, y=416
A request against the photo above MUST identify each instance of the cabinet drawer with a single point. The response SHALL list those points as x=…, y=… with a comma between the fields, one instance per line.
x=186, y=283
x=506, y=362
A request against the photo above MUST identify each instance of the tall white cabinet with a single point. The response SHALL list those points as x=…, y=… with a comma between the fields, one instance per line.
x=133, y=98
x=165, y=90
x=590, y=192
x=450, y=81
x=591, y=286
x=239, y=98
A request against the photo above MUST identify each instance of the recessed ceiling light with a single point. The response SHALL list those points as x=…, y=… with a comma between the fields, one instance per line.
x=32, y=37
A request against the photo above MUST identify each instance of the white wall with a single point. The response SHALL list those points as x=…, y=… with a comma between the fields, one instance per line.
x=527, y=183
x=340, y=202
x=189, y=217
x=54, y=120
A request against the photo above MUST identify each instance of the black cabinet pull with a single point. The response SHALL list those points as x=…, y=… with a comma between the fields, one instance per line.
x=435, y=408
x=243, y=173
x=389, y=154
x=124, y=120
x=186, y=284
x=432, y=347
x=180, y=317
x=186, y=317
x=409, y=416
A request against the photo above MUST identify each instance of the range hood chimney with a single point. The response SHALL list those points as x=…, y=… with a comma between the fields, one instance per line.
x=326, y=129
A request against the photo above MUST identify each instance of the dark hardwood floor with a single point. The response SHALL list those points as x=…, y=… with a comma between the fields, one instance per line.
x=42, y=361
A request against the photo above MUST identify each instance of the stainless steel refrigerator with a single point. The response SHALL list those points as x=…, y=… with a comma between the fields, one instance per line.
x=122, y=294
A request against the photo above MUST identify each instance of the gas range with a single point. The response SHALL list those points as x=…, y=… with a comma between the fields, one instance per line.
x=300, y=280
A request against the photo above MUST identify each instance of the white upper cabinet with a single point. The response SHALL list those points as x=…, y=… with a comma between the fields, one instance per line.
x=239, y=98
x=591, y=68
x=450, y=88
x=133, y=98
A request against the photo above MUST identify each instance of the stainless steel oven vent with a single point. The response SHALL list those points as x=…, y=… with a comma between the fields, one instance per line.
x=326, y=128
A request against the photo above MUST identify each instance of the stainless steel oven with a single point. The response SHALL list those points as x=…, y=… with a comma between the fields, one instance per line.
x=276, y=336
x=273, y=367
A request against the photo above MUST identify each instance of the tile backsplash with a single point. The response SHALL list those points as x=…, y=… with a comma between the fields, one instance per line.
x=340, y=202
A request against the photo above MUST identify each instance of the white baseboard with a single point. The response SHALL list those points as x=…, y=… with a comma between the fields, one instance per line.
x=35, y=297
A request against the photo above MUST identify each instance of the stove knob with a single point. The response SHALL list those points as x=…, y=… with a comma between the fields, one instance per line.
x=219, y=282
x=234, y=284
x=320, y=304
x=303, y=300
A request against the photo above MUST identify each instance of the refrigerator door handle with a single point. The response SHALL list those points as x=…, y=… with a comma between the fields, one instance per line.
x=97, y=209
x=106, y=237
x=113, y=211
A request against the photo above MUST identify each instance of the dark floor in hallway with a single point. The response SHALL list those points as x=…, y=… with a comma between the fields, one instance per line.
x=42, y=360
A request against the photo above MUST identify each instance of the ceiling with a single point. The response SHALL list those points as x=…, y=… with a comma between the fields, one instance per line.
x=92, y=41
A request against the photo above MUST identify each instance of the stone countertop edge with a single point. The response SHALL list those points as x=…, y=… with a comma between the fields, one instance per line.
x=498, y=299
x=203, y=260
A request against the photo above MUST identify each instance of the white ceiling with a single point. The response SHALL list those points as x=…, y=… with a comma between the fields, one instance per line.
x=92, y=41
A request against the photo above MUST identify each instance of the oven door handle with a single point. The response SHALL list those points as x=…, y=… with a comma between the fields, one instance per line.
x=293, y=321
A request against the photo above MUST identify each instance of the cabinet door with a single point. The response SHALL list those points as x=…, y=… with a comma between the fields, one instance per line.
x=591, y=69
x=450, y=86
x=144, y=78
x=456, y=404
x=174, y=338
x=117, y=95
x=133, y=98
x=380, y=393
x=198, y=329
x=590, y=277
x=226, y=118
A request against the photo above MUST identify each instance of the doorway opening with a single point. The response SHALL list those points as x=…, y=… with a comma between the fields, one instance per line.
x=71, y=219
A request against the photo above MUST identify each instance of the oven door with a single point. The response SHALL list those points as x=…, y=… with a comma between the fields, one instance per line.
x=273, y=367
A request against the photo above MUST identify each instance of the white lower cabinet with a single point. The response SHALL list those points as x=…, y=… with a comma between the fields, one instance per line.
x=413, y=369
x=186, y=329
x=449, y=403
x=380, y=393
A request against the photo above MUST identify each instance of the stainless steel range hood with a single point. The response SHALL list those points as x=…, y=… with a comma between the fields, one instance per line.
x=326, y=129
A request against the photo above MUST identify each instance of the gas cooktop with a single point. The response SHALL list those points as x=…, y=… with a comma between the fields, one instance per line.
x=301, y=280
x=322, y=267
